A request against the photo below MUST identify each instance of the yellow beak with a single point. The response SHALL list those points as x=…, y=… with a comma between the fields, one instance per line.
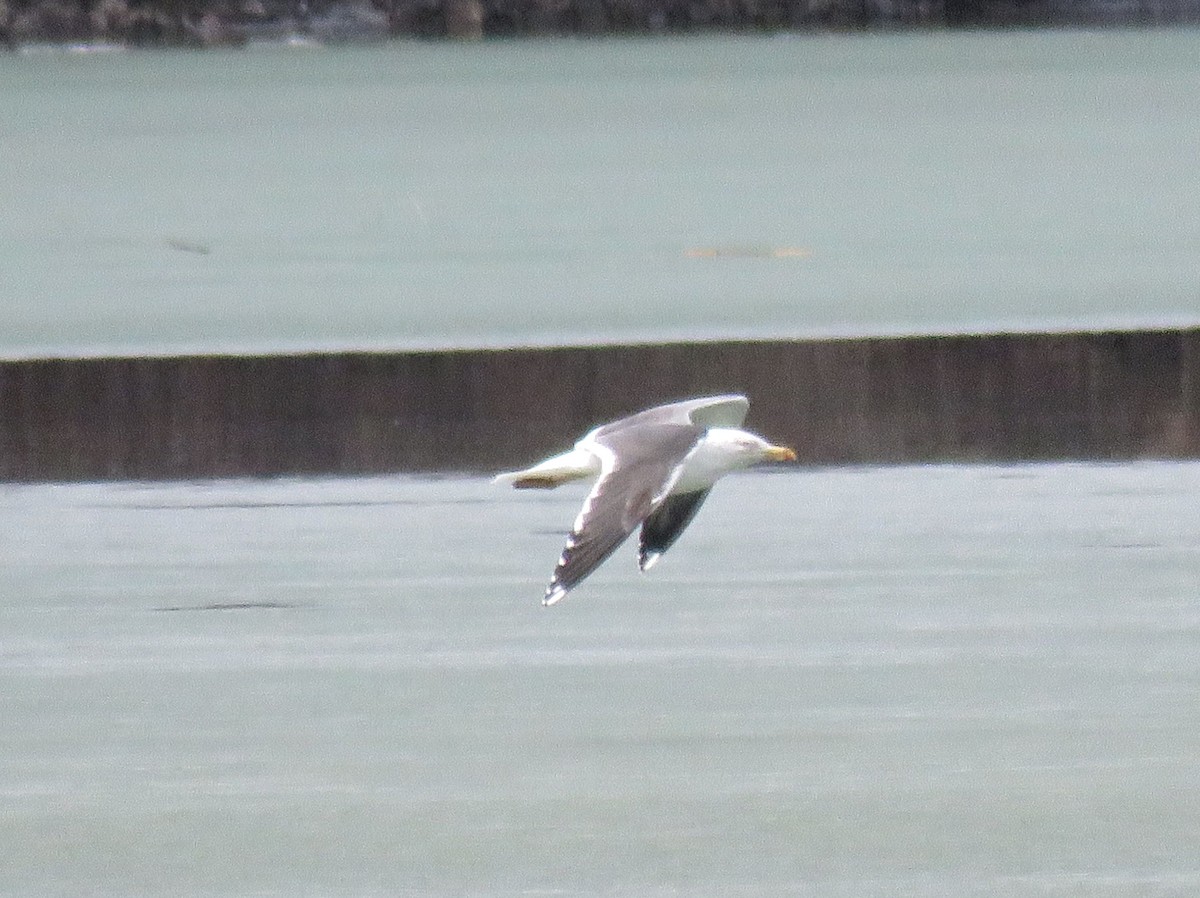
x=780, y=453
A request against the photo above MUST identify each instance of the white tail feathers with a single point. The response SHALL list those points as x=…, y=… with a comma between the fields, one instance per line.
x=573, y=465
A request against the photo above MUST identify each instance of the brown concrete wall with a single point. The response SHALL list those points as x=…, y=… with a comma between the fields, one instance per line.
x=1009, y=397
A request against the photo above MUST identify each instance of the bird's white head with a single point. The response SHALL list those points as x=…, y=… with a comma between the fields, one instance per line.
x=747, y=448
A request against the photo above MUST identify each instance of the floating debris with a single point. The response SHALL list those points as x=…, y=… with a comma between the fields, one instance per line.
x=187, y=246
x=748, y=252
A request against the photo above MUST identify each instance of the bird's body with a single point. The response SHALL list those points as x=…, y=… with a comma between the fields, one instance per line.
x=652, y=469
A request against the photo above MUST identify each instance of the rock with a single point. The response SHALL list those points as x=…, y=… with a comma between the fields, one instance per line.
x=464, y=19
x=356, y=21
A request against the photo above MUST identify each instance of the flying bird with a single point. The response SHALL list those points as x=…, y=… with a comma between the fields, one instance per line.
x=655, y=469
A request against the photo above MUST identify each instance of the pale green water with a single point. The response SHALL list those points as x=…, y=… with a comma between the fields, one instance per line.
x=946, y=682
x=544, y=192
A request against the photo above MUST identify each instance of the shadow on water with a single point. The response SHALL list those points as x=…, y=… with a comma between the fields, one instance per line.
x=235, y=606
x=363, y=503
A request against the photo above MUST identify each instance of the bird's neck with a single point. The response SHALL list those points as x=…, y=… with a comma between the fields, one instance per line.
x=716, y=454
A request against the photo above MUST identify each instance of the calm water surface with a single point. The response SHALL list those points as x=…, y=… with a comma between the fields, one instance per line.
x=432, y=195
x=947, y=681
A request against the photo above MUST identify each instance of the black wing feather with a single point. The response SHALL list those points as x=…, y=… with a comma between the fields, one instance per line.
x=665, y=523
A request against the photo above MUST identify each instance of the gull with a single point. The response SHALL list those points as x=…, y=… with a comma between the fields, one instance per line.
x=652, y=469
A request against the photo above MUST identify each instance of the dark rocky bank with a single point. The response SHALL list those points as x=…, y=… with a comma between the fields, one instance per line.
x=232, y=22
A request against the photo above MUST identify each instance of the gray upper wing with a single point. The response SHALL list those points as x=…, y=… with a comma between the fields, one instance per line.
x=641, y=463
x=710, y=411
